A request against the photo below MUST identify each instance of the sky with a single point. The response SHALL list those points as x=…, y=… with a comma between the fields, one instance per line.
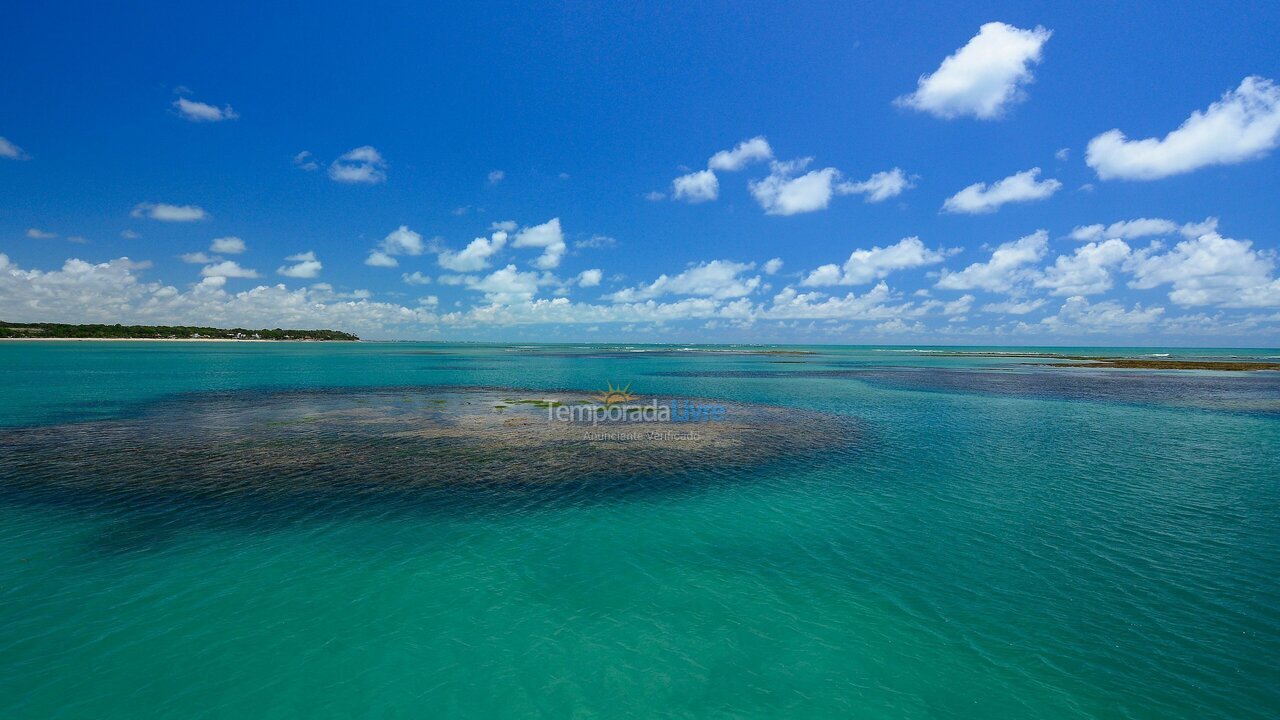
x=850, y=173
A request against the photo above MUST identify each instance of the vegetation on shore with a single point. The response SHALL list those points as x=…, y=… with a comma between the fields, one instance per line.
x=161, y=332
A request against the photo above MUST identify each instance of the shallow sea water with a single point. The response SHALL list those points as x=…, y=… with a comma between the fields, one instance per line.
x=963, y=537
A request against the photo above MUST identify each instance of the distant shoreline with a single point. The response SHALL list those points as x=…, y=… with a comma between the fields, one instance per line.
x=167, y=340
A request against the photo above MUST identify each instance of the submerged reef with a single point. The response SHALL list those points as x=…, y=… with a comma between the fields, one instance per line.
x=1129, y=363
x=363, y=440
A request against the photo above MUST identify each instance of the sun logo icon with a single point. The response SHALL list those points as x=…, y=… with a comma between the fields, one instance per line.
x=616, y=395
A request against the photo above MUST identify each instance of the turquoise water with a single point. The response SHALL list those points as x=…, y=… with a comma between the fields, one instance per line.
x=1004, y=540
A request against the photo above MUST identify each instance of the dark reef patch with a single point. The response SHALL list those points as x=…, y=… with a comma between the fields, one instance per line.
x=354, y=442
x=1252, y=393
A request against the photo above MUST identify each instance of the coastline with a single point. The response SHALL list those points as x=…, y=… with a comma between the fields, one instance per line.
x=170, y=340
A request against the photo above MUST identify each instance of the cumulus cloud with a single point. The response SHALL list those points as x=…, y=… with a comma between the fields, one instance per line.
x=696, y=187
x=401, y=241
x=169, y=213
x=38, y=234
x=496, y=176
x=198, y=258
x=983, y=78
x=415, y=278
x=305, y=265
x=1209, y=270
x=864, y=266
x=306, y=161
x=1087, y=271
x=364, y=165
x=1010, y=264
x=507, y=285
x=230, y=245
x=1243, y=125
x=203, y=112
x=880, y=186
x=784, y=193
x=114, y=292
x=744, y=153
x=717, y=279
x=377, y=258
x=10, y=151
x=475, y=256
x=227, y=269
x=1019, y=187
x=590, y=278
x=547, y=236
x=772, y=266
x=1014, y=307
x=1078, y=315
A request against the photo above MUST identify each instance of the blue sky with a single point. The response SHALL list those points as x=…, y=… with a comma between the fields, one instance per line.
x=958, y=168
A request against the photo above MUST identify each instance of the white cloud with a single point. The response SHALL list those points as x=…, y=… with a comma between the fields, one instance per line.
x=1085, y=272
x=880, y=186
x=230, y=245
x=595, y=242
x=506, y=226
x=227, y=269
x=547, y=236
x=1008, y=266
x=169, y=213
x=496, y=176
x=1125, y=229
x=747, y=151
x=1019, y=187
x=306, y=161
x=1078, y=315
x=696, y=187
x=717, y=279
x=1209, y=270
x=10, y=151
x=1142, y=227
x=129, y=235
x=38, y=234
x=590, y=278
x=403, y=241
x=360, y=165
x=475, y=256
x=507, y=285
x=305, y=265
x=864, y=266
x=416, y=278
x=1014, y=307
x=655, y=196
x=782, y=194
x=1243, y=125
x=113, y=292
x=377, y=258
x=1063, y=154
x=203, y=112
x=983, y=78
x=198, y=258
x=772, y=266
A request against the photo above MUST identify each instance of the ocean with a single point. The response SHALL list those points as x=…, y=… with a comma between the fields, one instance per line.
x=259, y=530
